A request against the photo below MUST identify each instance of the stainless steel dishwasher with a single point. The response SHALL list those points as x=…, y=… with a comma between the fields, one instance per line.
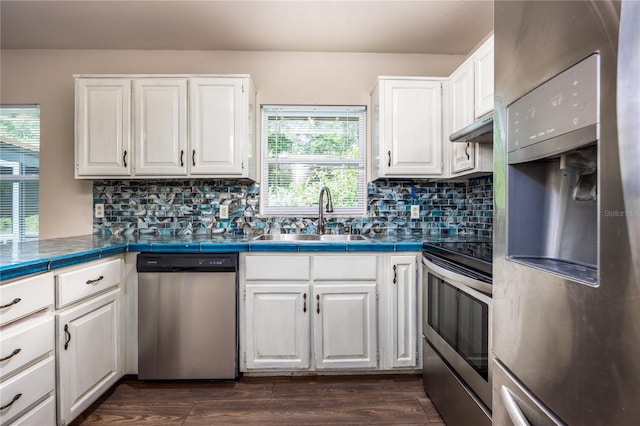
x=187, y=316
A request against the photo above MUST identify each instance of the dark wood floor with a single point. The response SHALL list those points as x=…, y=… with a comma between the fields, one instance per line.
x=398, y=399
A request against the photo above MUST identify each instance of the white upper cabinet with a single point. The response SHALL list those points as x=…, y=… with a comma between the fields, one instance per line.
x=483, y=65
x=221, y=127
x=407, y=127
x=160, y=126
x=180, y=126
x=103, y=132
x=461, y=115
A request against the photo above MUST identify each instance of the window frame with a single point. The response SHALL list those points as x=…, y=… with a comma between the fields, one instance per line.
x=20, y=177
x=360, y=163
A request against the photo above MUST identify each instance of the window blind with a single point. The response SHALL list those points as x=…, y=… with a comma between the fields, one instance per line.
x=19, y=172
x=307, y=147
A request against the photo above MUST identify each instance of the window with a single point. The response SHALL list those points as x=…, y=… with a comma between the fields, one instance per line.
x=19, y=170
x=308, y=147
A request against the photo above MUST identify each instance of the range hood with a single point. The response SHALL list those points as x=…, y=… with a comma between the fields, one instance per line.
x=481, y=131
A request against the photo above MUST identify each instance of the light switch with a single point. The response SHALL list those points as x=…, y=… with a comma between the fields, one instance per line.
x=224, y=212
x=415, y=212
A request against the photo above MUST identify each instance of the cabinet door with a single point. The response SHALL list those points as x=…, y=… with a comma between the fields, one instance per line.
x=404, y=311
x=277, y=326
x=483, y=68
x=160, y=118
x=103, y=127
x=89, y=353
x=216, y=121
x=412, y=121
x=461, y=110
x=345, y=325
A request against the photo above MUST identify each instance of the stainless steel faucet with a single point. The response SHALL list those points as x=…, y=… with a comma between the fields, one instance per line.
x=329, y=208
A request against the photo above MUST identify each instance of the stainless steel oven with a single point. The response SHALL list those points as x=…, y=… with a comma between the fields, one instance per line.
x=456, y=328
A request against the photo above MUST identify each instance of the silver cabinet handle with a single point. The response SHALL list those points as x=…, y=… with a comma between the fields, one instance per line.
x=14, y=353
x=15, y=398
x=304, y=303
x=100, y=278
x=13, y=302
x=68, y=336
x=395, y=274
x=515, y=413
x=389, y=154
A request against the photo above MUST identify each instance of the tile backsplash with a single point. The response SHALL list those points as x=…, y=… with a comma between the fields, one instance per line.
x=183, y=207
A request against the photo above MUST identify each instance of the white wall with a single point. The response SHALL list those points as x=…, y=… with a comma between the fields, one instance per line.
x=45, y=77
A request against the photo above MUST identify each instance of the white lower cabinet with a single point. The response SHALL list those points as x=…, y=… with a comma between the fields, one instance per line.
x=345, y=325
x=27, y=360
x=277, y=326
x=89, y=334
x=333, y=312
x=403, y=307
x=89, y=344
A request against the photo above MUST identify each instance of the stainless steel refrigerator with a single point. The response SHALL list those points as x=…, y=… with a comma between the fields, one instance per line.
x=566, y=297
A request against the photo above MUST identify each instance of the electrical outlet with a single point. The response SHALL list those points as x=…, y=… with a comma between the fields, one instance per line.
x=98, y=211
x=415, y=212
x=224, y=212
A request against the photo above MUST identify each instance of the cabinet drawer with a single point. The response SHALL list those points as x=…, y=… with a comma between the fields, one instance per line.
x=81, y=283
x=42, y=414
x=26, y=296
x=277, y=268
x=28, y=341
x=32, y=385
x=344, y=267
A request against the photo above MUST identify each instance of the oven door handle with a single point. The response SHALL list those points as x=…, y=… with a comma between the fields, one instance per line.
x=515, y=413
x=452, y=277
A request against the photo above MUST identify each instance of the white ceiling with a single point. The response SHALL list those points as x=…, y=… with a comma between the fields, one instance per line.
x=419, y=26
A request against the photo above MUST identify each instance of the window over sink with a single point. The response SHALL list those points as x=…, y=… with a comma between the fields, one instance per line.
x=19, y=172
x=307, y=147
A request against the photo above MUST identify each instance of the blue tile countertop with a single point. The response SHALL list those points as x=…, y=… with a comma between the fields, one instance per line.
x=24, y=258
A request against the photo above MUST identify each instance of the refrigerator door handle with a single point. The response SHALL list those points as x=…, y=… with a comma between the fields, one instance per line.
x=628, y=111
x=515, y=413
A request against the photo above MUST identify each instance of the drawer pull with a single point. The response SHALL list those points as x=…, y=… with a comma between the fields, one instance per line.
x=15, y=398
x=13, y=302
x=68, y=336
x=14, y=353
x=100, y=278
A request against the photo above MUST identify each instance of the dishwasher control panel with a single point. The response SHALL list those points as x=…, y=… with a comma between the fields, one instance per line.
x=187, y=262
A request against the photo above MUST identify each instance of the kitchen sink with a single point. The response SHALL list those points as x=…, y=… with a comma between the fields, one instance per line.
x=310, y=237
